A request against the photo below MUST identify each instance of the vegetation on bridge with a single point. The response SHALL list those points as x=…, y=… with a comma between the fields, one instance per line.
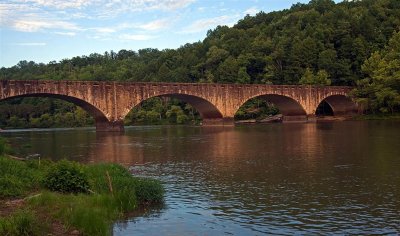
x=316, y=43
x=42, y=196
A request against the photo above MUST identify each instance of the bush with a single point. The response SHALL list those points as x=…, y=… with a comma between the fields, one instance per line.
x=66, y=177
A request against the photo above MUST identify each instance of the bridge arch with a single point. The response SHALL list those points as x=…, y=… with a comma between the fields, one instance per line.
x=99, y=117
x=206, y=109
x=109, y=102
x=338, y=105
x=287, y=106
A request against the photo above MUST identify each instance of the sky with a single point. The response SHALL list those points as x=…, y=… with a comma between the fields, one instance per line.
x=52, y=30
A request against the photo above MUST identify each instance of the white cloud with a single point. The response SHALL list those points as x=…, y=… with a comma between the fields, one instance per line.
x=34, y=24
x=251, y=11
x=165, y=5
x=29, y=44
x=208, y=23
x=61, y=16
x=113, y=8
x=31, y=19
x=104, y=30
x=111, y=5
x=66, y=33
x=60, y=4
x=136, y=37
x=156, y=25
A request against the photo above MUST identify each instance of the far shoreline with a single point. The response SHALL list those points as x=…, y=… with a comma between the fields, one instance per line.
x=362, y=117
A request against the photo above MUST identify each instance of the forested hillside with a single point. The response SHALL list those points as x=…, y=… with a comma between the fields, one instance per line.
x=316, y=43
x=274, y=47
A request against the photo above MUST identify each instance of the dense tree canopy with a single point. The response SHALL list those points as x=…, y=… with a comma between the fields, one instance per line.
x=275, y=47
x=380, y=90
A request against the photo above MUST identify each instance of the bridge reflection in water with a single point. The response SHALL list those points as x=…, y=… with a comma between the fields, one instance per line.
x=138, y=146
x=146, y=144
x=248, y=180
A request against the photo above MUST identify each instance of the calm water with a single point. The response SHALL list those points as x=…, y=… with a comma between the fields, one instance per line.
x=337, y=178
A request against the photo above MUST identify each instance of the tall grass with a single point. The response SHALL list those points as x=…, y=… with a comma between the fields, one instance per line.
x=113, y=192
x=22, y=222
x=4, y=147
x=17, y=178
x=93, y=214
x=90, y=214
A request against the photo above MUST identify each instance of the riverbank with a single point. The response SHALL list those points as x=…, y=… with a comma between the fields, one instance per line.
x=68, y=198
x=394, y=116
x=277, y=118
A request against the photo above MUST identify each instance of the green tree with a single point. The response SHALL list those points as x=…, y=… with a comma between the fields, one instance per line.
x=274, y=47
x=176, y=115
x=152, y=116
x=321, y=78
x=308, y=77
x=380, y=90
x=227, y=71
x=215, y=56
x=164, y=73
x=243, y=77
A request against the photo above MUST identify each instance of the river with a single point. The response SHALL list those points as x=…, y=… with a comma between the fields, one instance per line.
x=310, y=178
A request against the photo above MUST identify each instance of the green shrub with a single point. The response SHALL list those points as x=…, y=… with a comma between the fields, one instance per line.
x=66, y=177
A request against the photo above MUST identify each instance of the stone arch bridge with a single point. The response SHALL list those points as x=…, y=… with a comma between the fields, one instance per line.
x=109, y=102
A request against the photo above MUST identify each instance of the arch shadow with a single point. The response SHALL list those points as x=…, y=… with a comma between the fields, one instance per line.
x=206, y=109
x=336, y=105
x=288, y=107
x=97, y=114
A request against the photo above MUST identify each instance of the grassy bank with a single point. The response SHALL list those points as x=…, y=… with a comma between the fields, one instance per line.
x=37, y=198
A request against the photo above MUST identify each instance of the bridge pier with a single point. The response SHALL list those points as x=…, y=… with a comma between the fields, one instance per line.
x=227, y=121
x=217, y=103
x=110, y=126
x=311, y=118
x=294, y=119
x=301, y=118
